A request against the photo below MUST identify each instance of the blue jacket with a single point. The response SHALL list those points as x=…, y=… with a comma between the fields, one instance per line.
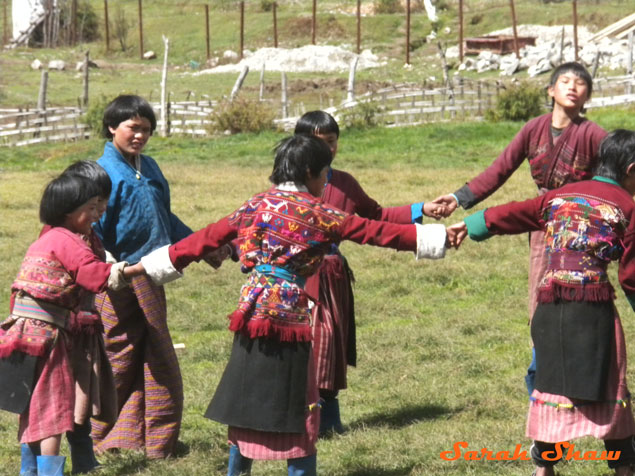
x=138, y=219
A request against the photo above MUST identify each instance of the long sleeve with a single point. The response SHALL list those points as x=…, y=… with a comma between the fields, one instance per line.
x=509, y=219
x=626, y=272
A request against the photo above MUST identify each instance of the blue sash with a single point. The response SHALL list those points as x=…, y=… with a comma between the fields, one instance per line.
x=282, y=273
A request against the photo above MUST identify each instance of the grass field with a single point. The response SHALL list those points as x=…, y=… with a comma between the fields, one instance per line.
x=443, y=345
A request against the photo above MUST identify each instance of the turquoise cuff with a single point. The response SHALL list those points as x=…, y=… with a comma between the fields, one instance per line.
x=476, y=227
x=416, y=212
x=631, y=300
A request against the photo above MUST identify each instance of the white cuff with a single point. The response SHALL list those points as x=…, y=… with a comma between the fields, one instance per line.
x=110, y=258
x=159, y=267
x=430, y=241
x=116, y=280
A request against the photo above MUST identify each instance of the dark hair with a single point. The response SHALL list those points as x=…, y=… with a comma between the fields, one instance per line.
x=617, y=152
x=317, y=122
x=92, y=171
x=124, y=107
x=298, y=154
x=575, y=68
x=65, y=194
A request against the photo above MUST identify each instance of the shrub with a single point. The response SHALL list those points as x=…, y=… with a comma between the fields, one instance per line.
x=266, y=5
x=388, y=6
x=95, y=113
x=242, y=115
x=519, y=102
x=361, y=116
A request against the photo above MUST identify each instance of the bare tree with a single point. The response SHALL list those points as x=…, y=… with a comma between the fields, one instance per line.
x=122, y=27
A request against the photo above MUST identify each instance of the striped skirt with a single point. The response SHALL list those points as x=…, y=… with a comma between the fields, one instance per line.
x=554, y=418
x=333, y=322
x=145, y=369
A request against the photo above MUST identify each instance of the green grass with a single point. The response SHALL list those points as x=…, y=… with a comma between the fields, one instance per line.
x=443, y=345
x=184, y=24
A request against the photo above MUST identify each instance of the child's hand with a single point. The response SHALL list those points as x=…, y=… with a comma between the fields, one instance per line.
x=448, y=201
x=456, y=234
x=215, y=258
x=435, y=210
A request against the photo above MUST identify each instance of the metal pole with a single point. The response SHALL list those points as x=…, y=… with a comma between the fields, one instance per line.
x=242, y=28
x=359, y=26
x=207, y=30
x=511, y=4
x=408, y=32
x=461, y=31
x=575, y=29
x=275, y=25
x=106, y=23
x=314, y=22
x=140, y=30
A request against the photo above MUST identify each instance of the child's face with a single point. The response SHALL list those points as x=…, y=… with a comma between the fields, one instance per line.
x=331, y=140
x=131, y=136
x=102, y=204
x=316, y=184
x=81, y=219
x=570, y=92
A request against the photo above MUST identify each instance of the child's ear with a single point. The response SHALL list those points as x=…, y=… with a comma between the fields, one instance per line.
x=630, y=170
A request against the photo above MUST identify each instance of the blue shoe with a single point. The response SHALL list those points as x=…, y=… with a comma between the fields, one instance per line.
x=50, y=465
x=238, y=464
x=330, y=421
x=305, y=466
x=29, y=461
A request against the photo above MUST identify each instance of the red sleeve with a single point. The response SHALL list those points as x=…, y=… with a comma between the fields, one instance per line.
x=379, y=233
x=202, y=242
x=88, y=271
x=626, y=271
x=516, y=217
x=494, y=176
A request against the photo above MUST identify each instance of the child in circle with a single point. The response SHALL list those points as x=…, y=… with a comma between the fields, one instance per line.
x=59, y=270
x=580, y=388
x=268, y=394
x=560, y=146
x=334, y=341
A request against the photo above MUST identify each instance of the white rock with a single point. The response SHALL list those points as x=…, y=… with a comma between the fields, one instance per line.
x=148, y=55
x=230, y=55
x=58, y=65
x=36, y=64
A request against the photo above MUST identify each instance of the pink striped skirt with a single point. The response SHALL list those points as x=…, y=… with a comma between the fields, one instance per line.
x=555, y=418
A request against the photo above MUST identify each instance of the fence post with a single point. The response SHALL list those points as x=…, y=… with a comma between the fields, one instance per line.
x=461, y=31
x=511, y=4
x=275, y=25
x=41, y=98
x=85, y=71
x=575, y=29
x=207, y=31
x=359, y=26
x=262, y=82
x=239, y=83
x=106, y=25
x=165, y=128
x=285, y=110
x=140, y=30
x=4, y=23
x=407, y=31
x=242, y=28
x=350, y=90
x=73, y=21
x=314, y=22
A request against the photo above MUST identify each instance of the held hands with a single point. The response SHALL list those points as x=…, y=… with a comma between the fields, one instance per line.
x=215, y=258
x=435, y=210
x=456, y=234
x=447, y=203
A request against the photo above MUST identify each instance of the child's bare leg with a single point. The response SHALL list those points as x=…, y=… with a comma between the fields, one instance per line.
x=544, y=471
x=51, y=446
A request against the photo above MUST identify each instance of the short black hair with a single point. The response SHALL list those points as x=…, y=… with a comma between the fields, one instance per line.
x=63, y=195
x=575, y=68
x=124, y=107
x=298, y=154
x=617, y=152
x=92, y=171
x=317, y=122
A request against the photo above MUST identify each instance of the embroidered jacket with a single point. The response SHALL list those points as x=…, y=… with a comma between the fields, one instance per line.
x=138, y=219
x=587, y=225
x=282, y=236
x=59, y=268
x=570, y=159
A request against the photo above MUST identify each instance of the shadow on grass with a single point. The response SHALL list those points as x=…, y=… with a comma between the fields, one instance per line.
x=367, y=470
x=404, y=416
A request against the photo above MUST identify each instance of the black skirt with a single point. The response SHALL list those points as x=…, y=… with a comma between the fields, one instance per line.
x=263, y=386
x=573, y=342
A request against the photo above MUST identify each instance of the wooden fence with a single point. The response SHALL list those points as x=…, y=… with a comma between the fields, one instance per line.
x=400, y=105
